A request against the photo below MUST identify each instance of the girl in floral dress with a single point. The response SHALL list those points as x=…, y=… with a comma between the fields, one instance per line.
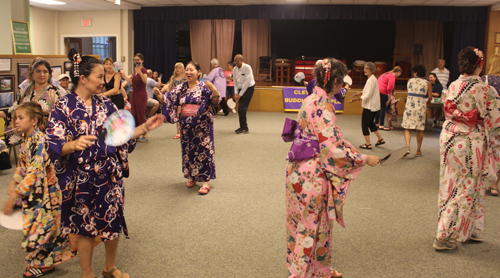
x=470, y=153
x=35, y=182
x=392, y=111
x=316, y=187
x=39, y=90
x=90, y=172
x=419, y=96
x=196, y=122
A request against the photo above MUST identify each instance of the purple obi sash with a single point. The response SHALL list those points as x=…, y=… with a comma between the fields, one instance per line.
x=304, y=146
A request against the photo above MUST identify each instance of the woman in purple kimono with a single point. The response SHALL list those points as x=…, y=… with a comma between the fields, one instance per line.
x=196, y=122
x=317, y=183
x=90, y=173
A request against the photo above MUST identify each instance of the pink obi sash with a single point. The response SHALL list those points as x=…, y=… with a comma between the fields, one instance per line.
x=189, y=110
x=470, y=118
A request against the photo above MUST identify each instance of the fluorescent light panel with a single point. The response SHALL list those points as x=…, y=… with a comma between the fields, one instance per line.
x=48, y=2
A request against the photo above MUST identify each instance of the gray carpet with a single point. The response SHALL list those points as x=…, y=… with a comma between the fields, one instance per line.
x=238, y=229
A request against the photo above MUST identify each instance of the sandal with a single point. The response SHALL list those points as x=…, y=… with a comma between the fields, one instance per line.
x=204, y=190
x=407, y=153
x=190, y=183
x=109, y=274
x=366, y=146
x=387, y=128
x=380, y=142
x=37, y=272
x=443, y=245
x=418, y=154
x=177, y=136
x=492, y=191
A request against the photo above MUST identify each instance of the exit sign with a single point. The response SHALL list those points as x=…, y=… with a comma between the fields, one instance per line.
x=87, y=22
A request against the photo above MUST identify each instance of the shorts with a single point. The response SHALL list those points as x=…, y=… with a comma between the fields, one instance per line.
x=230, y=91
x=151, y=102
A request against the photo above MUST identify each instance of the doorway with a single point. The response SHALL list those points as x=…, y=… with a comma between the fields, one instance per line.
x=104, y=46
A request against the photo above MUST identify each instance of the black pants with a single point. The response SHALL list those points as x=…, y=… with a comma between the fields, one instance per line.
x=223, y=104
x=367, y=121
x=243, y=106
x=379, y=119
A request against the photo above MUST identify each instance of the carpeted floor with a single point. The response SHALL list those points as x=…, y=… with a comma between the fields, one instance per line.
x=238, y=229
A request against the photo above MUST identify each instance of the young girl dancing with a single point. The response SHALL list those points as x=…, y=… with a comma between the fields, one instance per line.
x=35, y=182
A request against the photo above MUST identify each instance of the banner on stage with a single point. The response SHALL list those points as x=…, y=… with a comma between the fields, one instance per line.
x=294, y=96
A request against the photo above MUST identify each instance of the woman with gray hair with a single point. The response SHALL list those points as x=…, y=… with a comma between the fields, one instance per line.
x=218, y=78
x=371, y=106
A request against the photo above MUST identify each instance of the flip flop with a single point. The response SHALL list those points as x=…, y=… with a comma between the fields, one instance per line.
x=190, y=184
x=204, y=190
x=109, y=274
x=37, y=272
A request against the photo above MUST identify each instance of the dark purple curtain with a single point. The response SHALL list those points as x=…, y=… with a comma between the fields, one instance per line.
x=465, y=34
x=156, y=40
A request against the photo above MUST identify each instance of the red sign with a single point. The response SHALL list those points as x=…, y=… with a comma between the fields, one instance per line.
x=87, y=22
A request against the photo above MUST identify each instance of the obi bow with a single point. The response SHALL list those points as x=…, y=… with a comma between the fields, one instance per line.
x=304, y=146
x=470, y=118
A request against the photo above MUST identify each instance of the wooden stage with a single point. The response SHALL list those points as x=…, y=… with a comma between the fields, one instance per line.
x=268, y=97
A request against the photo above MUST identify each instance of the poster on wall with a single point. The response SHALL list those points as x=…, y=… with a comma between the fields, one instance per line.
x=5, y=64
x=22, y=72
x=294, y=96
x=21, y=37
x=6, y=100
x=7, y=83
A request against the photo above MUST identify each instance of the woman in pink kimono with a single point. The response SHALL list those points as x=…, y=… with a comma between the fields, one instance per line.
x=470, y=153
x=318, y=176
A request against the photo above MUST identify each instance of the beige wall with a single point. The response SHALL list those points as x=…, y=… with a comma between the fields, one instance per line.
x=43, y=29
x=11, y=10
x=493, y=26
x=50, y=27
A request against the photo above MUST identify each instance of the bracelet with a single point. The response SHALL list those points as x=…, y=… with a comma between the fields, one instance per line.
x=144, y=128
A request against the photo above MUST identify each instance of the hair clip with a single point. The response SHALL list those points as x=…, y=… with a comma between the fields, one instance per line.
x=76, y=63
x=479, y=54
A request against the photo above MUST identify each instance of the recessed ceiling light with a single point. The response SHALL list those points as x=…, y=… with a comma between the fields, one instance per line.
x=48, y=2
x=117, y=2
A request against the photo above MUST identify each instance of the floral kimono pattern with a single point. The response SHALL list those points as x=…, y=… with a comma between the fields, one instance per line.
x=197, y=132
x=41, y=199
x=416, y=106
x=316, y=189
x=392, y=109
x=46, y=98
x=470, y=156
x=92, y=180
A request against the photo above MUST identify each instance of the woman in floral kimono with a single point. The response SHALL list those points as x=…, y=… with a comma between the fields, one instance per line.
x=39, y=90
x=316, y=186
x=35, y=182
x=196, y=125
x=90, y=172
x=470, y=153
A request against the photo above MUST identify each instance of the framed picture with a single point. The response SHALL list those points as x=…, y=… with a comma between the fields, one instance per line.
x=56, y=71
x=22, y=72
x=6, y=100
x=5, y=64
x=497, y=37
x=67, y=66
x=7, y=83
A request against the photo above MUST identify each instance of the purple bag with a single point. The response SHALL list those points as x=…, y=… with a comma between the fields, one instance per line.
x=304, y=146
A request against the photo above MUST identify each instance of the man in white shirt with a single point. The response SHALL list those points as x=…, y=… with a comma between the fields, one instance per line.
x=152, y=104
x=442, y=73
x=244, y=85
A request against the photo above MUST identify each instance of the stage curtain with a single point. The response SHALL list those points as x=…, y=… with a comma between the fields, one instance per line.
x=256, y=41
x=335, y=12
x=466, y=34
x=427, y=33
x=224, y=40
x=201, y=43
x=156, y=41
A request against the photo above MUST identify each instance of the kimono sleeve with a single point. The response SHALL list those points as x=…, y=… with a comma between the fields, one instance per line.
x=34, y=171
x=55, y=133
x=338, y=157
x=170, y=104
x=489, y=109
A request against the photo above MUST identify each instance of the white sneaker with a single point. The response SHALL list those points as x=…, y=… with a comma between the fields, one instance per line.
x=232, y=110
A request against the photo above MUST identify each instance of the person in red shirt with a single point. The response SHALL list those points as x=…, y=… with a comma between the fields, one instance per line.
x=386, y=83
